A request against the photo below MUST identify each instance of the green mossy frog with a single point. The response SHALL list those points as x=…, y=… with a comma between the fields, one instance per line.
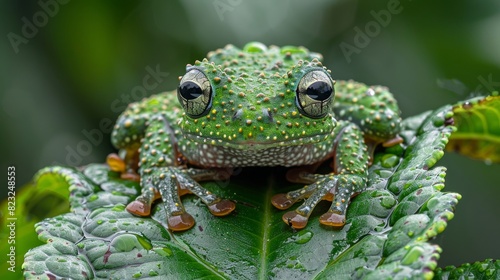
x=256, y=106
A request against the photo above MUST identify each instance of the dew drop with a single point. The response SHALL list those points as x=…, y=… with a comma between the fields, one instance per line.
x=145, y=242
x=389, y=160
x=412, y=256
x=388, y=202
x=165, y=252
x=303, y=237
x=383, y=173
x=438, y=121
x=118, y=208
x=467, y=105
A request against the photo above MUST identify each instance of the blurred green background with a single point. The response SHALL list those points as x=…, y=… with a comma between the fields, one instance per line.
x=69, y=67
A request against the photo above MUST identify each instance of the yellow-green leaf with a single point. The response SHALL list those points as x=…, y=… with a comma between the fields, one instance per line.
x=478, y=128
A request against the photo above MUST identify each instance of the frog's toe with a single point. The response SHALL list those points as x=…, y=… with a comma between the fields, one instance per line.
x=295, y=220
x=222, y=207
x=216, y=206
x=332, y=219
x=139, y=208
x=393, y=141
x=116, y=163
x=180, y=222
x=282, y=201
x=131, y=176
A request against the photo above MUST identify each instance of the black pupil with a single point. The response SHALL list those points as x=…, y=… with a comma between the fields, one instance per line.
x=190, y=90
x=319, y=91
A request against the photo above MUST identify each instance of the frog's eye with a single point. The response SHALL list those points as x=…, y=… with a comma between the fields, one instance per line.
x=315, y=94
x=195, y=93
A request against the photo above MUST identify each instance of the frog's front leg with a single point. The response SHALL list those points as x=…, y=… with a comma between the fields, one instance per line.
x=160, y=177
x=349, y=177
x=170, y=183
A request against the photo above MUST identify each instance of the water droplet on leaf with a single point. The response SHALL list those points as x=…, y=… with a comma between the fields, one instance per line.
x=389, y=160
x=303, y=237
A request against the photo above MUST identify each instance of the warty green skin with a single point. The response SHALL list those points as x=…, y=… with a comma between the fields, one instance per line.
x=255, y=120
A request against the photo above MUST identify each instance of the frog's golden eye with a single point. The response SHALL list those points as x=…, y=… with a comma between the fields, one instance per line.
x=195, y=93
x=315, y=94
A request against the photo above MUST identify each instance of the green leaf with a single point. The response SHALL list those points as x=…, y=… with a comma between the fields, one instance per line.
x=478, y=128
x=487, y=269
x=31, y=206
x=387, y=234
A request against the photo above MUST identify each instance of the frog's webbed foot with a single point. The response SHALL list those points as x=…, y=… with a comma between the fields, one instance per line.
x=349, y=177
x=336, y=188
x=170, y=183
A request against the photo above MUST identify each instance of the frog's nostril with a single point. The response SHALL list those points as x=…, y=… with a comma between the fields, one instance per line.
x=267, y=115
x=237, y=114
